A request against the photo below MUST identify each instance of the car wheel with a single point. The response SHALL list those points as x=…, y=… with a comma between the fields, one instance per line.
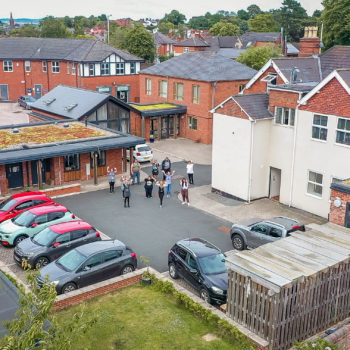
x=19, y=239
x=127, y=268
x=40, y=262
x=68, y=287
x=172, y=271
x=205, y=295
x=238, y=242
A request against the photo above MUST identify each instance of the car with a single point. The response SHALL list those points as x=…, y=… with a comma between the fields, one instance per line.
x=17, y=203
x=54, y=241
x=143, y=153
x=89, y=264
x=26, y=101
x=255, y=232
x=31, y=221
x=201, y=265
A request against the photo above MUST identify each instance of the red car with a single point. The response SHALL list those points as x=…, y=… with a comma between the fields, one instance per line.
x=17, y=203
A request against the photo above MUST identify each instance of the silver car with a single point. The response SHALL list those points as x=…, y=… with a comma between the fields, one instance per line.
x=255, y=232
x=26, y=101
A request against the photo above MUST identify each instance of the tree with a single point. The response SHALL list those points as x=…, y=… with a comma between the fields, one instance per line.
x=263, y=23
x=224, y=29
x=165, y=27
x=317, y=13
x=336, y=19
x=53, y=28
x=174, y=17
x=243, y=14
x=27, y=30
x=68, y=21
x=253, y=10
x=35, y=326
x=320, y=344
x=102, y=18
x=256, y=57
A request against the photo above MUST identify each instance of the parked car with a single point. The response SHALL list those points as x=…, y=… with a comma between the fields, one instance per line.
x=26, y=101
x=54, y=241
x=17, y=203
x=202, y=265
x=255, y=232
x=88, y=264
x=143, y=153
x=30, y=222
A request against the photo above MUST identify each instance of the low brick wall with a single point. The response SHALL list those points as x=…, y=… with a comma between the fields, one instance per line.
x=62, y=190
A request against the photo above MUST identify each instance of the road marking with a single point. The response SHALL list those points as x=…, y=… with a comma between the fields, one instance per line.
x=224, y=229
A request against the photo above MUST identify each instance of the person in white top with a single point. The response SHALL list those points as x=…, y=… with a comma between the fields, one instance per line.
x=189, y=168
x=184, y=191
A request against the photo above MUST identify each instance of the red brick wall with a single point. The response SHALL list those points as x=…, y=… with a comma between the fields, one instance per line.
x=337, y=215
x=332, y=99
x=282, y=99
x=232, y=109
x=260, y=86
x=114, y=159
x=180, y=49
x=3, y=179
x=309, y=47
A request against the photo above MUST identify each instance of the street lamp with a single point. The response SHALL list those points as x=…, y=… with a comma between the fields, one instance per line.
x=108, y=28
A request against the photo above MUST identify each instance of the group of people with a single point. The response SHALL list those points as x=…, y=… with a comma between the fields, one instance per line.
x=165, y=184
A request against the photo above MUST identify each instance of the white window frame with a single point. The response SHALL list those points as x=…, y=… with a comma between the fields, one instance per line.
x=290, y=117
x=91, y=69
x=27, y=66
x=74, y=68
x=196, y=90
x=68, y=68
x=314, y=183
x=148, y=86
x=269, y=78
x=44, y=66
x=345, y=131
x=105, y=67
x=55, y=66
x=163, y=88
x=177, y=95
x=8, y=66
x=319, y=127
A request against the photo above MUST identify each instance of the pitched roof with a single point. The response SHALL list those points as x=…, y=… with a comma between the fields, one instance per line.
x=256, y=106
x=193, y=42
x=345, y=74
x=250, y=38
x=334, y=58
x=203, y=66
x=231, y=53
x=227, y=41
x=160, y=38
x=79, y=50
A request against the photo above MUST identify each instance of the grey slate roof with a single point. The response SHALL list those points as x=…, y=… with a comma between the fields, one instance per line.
x=203, y=66
x=249, y=38
x=299, y=87
x=334, y=58
x=255, y=105
x=195, y=42
x=231, y=53
x=160, y=38
x=78, y=50
x=345, y=74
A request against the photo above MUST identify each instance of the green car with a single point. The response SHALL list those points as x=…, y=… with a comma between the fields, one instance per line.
x=30, y=222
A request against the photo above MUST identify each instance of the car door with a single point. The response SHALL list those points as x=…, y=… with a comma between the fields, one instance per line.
x=91, y=271
x=112, y=263
x=258, y=235
x=20, y=208
x=61, y=245
x=55, y=217
x=192, y=273
x=79, y=237
x=40, y=222
x=180, y=260
x=276, y=233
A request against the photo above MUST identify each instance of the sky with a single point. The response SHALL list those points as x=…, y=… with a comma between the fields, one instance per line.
x=134, y=9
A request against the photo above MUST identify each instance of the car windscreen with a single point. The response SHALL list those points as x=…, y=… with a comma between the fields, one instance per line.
x=24, y=219
x=71, y=260
x=31, y=99
x=7, y=204
x=212, y=264
x=45, y=237
x=143, y=149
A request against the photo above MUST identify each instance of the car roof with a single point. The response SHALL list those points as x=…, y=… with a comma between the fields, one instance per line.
x=142, y=145
x=67, y=226
x=99, y=246
x=48, y=209
x=288, y=223
x=26, y=194
x=199, y=247
x=38, y=196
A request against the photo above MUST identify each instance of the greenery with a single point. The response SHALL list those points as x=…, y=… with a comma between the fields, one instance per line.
x=140, y=317
x=174, y=17
x=165, y=27
x=53, y=28
x=224, y=29
x=256, y=57
x=146, y=262
x=320, y=344
x=163, y=58
x=263, y=22
x=27, y=30
x=35, y=325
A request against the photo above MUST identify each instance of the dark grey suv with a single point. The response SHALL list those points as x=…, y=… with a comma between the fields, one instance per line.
x=255, y=232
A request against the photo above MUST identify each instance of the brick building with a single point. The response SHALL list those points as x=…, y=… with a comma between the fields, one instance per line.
x=36, y=65
x=58, y=153
x=164, y=44
x=197, y=80
x=190, y=45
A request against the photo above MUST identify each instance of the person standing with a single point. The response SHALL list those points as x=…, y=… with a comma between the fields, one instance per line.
x=111, y=178
x=155, y=169
x=184, y=191
x=161, y=191
x=168, y=180
x=149, y=186
x=189, y=169
x=126, y=193
x=166, y=166
x=135, y=171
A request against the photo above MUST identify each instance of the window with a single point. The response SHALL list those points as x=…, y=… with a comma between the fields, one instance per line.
x=55, y=66
x=44, y=65
x=163, y=88
x=24, y=205
x=195, y=93
x=8, y=66
x=101, y=159
x=63, y=238
x=74, y=72
x=79, y=234
x=314, y=185
x=41, y=219
x=191, y=262
x=178, y=91
x=56, y=215
x=104, y=68
x=112, y=254
x=319, y=127
x=343, y=131
x=186, y=49
x=71, y=162
x=119, y=68
x=270, y=78
x=260, y=228
x=148, y=86
x=284, y=116
x=133, y=68
x=68, y=68
x=182, y=253
x=94, y=261
x=275, y=232
x=91, y=69
x=241, y=87
x=192, y=123
x=27, y=66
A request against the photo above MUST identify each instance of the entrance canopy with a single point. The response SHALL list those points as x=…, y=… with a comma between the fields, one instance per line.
x=157, y=109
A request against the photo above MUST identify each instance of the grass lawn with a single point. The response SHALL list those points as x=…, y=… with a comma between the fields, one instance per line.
x=140, y=317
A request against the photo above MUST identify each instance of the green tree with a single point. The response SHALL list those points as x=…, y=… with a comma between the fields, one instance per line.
x=53, y=28
x=36, y=327
x=68, y=21
x=253, y=10
x=102, y=18
x=263, y=23
x=224, y=29
x=27, y=30
x=336, y=21
x=317, y=13
x=243, y=14
x=165, y=27
x=243, y=27
x=256, y=57
x=320, y=344
x=117, y=34
x=174, y=17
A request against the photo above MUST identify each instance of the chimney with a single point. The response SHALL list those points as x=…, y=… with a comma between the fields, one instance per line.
x=310, y=43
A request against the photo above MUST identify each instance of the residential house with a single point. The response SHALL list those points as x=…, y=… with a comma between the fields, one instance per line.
x=36, y=65
x=97, y=32
x=189, y=45
x=197, y=80
x=164, y=44
x=124, y=22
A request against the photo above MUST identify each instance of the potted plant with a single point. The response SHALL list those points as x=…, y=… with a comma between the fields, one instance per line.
x=146, y=275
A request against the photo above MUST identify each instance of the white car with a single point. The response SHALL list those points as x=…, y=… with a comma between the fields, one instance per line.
x=143, y=153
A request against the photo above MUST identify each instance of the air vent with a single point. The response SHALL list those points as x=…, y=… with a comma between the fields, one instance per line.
x=15, y=131
x=70, y=107
x=49, y=100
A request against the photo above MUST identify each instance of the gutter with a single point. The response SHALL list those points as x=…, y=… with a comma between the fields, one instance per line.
x=251, y=158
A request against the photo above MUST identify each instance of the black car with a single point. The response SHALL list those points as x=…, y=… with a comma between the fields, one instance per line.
x=89, y=264
x=202, y=265
x=54, y=241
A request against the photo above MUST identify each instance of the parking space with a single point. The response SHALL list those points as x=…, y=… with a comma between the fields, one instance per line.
x=12, y=113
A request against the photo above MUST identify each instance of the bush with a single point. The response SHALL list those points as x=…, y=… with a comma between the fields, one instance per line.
x=319, y=344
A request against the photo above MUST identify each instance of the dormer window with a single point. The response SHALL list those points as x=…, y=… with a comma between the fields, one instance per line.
x=270, y=78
